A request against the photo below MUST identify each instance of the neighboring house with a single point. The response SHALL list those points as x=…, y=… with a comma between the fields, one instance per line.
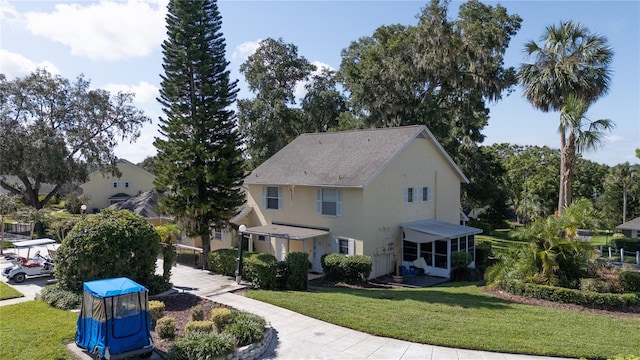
x=104, y=190
x=631, y=228
x=392, y=194
x=144, y=204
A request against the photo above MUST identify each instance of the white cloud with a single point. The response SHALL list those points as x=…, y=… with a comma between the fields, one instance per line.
x=107, y=30
x=144, y=92
x=15, y=65
x=244, y=50
x=300, y=91
x=7, y=12
x=613, y=138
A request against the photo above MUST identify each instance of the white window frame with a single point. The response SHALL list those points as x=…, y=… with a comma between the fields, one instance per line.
x=350, y=245
x=266, y=197
x=219, y=234
x=429, y=194
x=320, y=200
x=114, y=184
x=409, y=195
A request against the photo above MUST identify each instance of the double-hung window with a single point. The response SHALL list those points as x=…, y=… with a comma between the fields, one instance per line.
x=272, y=197
x=329, y=202
x=409, y=195
x=426, y=193
x=219, y=234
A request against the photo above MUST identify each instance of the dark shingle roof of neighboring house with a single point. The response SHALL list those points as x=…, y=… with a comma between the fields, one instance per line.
x=630, y=225
x=341, y=159
x=143, y=204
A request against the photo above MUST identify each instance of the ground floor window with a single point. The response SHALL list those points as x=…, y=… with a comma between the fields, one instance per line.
x=464, y=244
x=410, y=251
x=440, y=258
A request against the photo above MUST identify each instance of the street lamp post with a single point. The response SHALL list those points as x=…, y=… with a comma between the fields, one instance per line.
x=241, y=230
x=83, y=209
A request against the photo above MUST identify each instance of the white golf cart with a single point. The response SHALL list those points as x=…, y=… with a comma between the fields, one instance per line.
x=25, y=264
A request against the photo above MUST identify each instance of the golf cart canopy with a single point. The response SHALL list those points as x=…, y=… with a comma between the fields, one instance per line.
x=35, y=242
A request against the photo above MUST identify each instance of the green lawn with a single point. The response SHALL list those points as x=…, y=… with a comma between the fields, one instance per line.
x=35, y=330
x=462, y=316
x=7, y=292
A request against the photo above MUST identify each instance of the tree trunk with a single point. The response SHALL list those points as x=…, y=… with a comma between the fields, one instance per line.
x=568, y=155
x=562, y=159
x=206, y=248
x=624, y=204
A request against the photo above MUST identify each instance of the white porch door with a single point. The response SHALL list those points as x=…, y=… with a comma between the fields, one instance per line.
x=319, y=249
x=281, y=249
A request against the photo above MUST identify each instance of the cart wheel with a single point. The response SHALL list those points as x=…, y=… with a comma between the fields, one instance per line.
x=19, y=277
x=146, y=355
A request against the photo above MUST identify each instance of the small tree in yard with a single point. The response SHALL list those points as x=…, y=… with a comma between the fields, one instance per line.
x=168, y=233
x=109, y=244
x=8, y=204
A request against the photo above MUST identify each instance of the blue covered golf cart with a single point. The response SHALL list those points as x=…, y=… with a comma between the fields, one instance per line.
x=114, y=321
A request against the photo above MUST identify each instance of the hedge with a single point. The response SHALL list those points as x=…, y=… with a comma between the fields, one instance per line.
x=260, y=270
x=630, y=281
x=223, y=261
x=570, y=296
x=297, y=270
x=351, y=269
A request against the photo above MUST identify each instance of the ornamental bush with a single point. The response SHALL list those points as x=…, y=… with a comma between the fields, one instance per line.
x=356, y=268
x=630, y=281
x=297, y=270
x=260, y=270
x=60, y=298
x=223, y=261
x=246, y=328
x=166, y=327
x=202, y=346
x=199, y=326
x=107, y=245
x=197, y=313
x=221, y=317
x=156, y=310
x=332, y=266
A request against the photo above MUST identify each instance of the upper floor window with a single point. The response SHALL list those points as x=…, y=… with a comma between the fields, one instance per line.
x=329, y=202
x=115, y=184
x=272, y=197
x=126, y=184
x=426, y=193
x=219, y=234
x=409, y=195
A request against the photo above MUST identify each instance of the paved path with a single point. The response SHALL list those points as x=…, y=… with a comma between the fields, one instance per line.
x=298, y=337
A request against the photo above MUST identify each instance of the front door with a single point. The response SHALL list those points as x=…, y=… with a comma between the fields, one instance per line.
x=281, y=249
x=319, y=249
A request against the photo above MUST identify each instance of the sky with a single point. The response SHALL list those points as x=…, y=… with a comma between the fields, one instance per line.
x=117, y=46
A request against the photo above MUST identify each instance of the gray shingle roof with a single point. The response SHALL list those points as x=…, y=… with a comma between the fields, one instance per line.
x=630, y=225
x=340, y=159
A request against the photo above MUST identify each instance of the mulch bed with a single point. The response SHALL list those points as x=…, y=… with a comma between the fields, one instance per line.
x=178, y=306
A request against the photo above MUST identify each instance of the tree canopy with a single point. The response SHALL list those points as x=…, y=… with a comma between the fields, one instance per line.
x=199, y=164
x=52, y=128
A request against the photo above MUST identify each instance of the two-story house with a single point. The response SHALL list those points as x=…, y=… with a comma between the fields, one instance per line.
x=103, y=190
x=392, y=194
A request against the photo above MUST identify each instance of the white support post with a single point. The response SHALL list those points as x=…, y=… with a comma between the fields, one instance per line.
x=609, y=252
x=621, y=256
x=638, y=258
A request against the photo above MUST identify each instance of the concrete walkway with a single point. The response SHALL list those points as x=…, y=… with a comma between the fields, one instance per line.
x=297, y=336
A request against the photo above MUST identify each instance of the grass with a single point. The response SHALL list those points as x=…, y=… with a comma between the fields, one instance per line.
x=7, y=292
x=462, y=316
x=35, y=330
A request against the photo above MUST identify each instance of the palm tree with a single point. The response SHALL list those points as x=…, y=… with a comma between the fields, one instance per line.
x=578, y=134
x=169, y=234
x=571, y=61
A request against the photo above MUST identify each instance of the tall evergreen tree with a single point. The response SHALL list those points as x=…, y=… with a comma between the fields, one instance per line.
x=199, y=165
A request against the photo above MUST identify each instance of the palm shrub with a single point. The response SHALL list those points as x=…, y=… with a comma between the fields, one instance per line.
x=297, y=270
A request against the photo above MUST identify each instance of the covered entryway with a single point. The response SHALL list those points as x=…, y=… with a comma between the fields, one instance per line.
x=434, y=241
x=281, y=236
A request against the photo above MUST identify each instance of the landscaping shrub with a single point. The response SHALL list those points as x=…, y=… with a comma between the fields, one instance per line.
x=202, y=346
x=483, y=250
x=157, y=284
x=197, y=313
x=356, y=268
x=350, y=269
x=631, y=245
x=246, y=328
x=156, y=309
x=331, y=266
x=595, y=285
x=199, y=326
x=460, y=262
x=60, y=298
x=166, y=327
x=221, y=317
x=223, y=261
x=260, y=270
x=630, y=281
x=572, y=296
x=190, y=258
x=107, y=245
x=297, y=270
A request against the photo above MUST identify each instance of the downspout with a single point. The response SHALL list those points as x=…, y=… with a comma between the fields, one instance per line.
x=435, y=192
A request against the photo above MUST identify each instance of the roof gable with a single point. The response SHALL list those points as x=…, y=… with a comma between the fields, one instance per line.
x=119, y=163
x=341, y=159
x=630, y=225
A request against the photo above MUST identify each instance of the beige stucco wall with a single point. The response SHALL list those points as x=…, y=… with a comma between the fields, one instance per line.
x=99, y=187
x=371, y=216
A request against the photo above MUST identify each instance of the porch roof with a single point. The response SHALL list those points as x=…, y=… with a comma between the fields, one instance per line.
x=439, y=229
x=286, y=231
